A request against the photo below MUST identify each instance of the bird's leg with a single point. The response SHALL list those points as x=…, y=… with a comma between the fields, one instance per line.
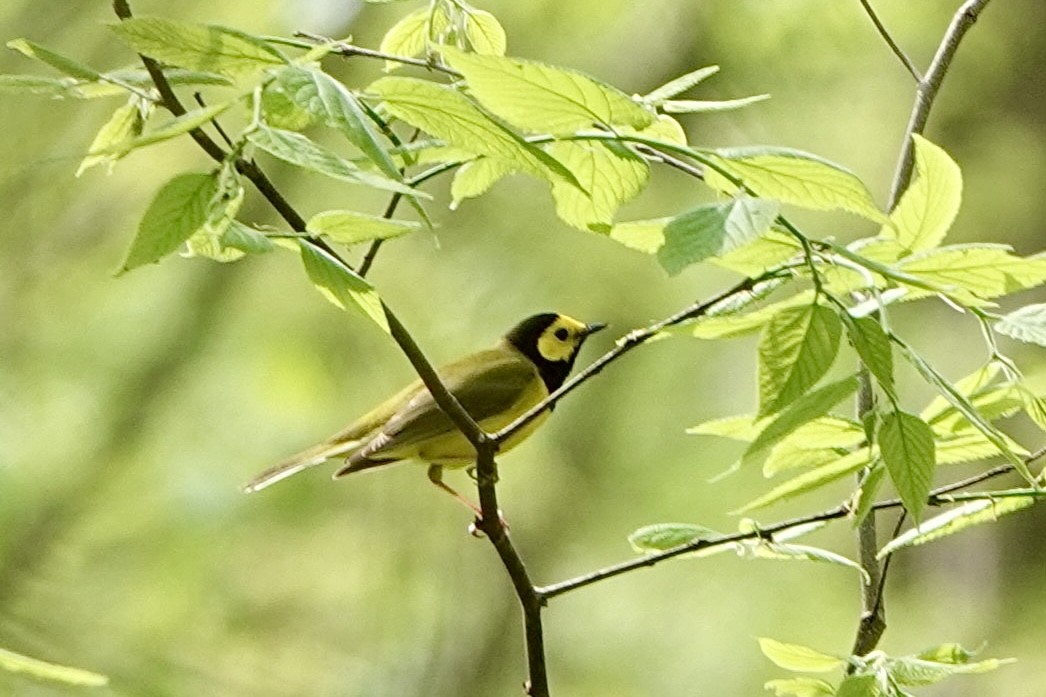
x=436, y=477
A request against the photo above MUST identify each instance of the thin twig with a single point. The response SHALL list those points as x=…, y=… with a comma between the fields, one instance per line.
x=342, y=48
x=897, y=50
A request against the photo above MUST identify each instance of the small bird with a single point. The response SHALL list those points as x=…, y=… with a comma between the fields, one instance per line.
x=494, y=386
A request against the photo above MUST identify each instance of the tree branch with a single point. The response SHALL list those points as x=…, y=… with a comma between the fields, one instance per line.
x=897, y=50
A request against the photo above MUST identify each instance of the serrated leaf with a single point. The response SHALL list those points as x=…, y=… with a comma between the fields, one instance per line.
x=657, y=538
x=874, y=348
x=542, y=98
x=450, y=116
x=713, y=230
x=341, y=285
x=352, y=227
x=797, y=348
x=698, y=106
x=123, y=125
x=801, y=659
x=33, y=84
x=815, y=443
x=813, y=479
x=977, y=384
x=609, y=174
x=798, y=178
x=198, y=47
x=799, y=687
x=207, y=241
x=956, y=520
x=407, y=37
x=807, y=407
x=165, y=131
x=860, y=686
x=63, y=64
x=1025, y=324
x=18, y=663
x=986, y=271
x=331, y=102
x=475, y=178
x=742, y=428
x=645, y=236
x=178, y=210
x=866, y=493
x=907, y=447
x=280, y=111
x=299, y=150
x=760, y=549
x=950, y=652
x=771, y=249
x=1034, y=406
x=246, y=239
x=734, y=324
x=484, y=33
x=910, y=670
x=679, y=85
x=929, y=205
x=970, y=445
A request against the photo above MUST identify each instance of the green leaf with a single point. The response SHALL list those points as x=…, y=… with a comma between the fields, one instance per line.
x=484, y=33
x=123, y=125
x=755, y=258
x=697, y=106
x=331, y=102
x=761, y=549
x=813, y=479
x=407, y=37
x=907, y=447
x=713, y=230
x=798, y=178
x=742, y=428
x=679, y=85
x=910, y=670
x=341, y=285
x=800, y=659
x=807, y=407
x=947, y=653
x=18, y=663
x=475, y=178
x=280, y=111
x=33, y=84
x=165, y=131
x=874, y=348
x=865, y=495
x=798, y=346
x=178, y=210
x=970, y=445
x=1025, y=324
x=729, y=325
x=299, y=150
x=198, y=47
x=813, y=444
x=986, y=271
x=957, y=520
x=542, y=98
x=450, y=116
x=800, y=687
x=978, y=385
x=246, y=239
x=859, y=686
x=207, y=241
x=929, y=205
x=657, y=538
x=351, y=227
x=63, y=64
x=609, y=174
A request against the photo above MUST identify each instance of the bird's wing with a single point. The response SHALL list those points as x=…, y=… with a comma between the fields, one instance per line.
x=491, y=390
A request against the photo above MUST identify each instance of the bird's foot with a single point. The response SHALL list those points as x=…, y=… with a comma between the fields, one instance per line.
x=476, y=530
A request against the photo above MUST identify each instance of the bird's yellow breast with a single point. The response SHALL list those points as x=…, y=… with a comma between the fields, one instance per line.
x=454, y=450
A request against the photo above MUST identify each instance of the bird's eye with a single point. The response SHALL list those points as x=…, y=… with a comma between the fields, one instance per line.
x=562, y=334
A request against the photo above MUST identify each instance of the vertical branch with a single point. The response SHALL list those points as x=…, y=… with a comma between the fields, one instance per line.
x=873, y=617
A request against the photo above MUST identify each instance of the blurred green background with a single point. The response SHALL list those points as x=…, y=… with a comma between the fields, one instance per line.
x=132, y=409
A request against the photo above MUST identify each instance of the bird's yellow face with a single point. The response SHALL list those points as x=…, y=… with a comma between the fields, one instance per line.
x=561, y=339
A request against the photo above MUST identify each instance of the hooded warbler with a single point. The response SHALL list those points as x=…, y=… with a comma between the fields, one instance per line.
x=495, y=386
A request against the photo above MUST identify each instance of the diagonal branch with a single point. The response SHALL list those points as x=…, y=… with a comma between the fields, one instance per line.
x=897, y=50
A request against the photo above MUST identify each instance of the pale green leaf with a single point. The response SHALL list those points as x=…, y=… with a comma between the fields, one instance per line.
x=797, y=347
x=542, y=98
x=198, y=47
x=986, y=271
x=680, y=84
x=484, y=33
x=907, y=447
x=177, y=211
x=970, y=445
x=450, y=116
x=657, y=538
x=664, y=128
x=798, y=178
x=975, y=385
x=645, y=236
x=407, y=37
x=352, y=227
x=341, y=285
x=475, y=178
x=1025, y=324
x=123, y=125
x=874, y=348
x=866, y=493
x=813, y=479
x=910, y=670
x=63, y=64
x=48, y=86
x=17, y=663
x=299, y=150
x=957, y=519
x=807, y=407
x=770, y=250
x=729, y=325
x=815, y=443
x=279, y=110
x=801, y=659
x=609, y=174
x=697, y=106
x=742, y=428
x=1034, y=406
x=761, y=549
x=246, y=239
x=207, y=240
x=860, y=686
x=930, y=204
x=947, y=653
x=799, y=687
x=713, y=230
x=165, y=131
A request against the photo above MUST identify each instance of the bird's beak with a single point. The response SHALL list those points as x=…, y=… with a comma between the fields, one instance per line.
x=594, y=327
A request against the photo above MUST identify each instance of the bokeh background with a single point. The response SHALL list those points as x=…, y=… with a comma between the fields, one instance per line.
x=131, y=409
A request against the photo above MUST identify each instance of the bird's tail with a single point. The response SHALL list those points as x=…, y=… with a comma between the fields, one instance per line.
x=315, y=455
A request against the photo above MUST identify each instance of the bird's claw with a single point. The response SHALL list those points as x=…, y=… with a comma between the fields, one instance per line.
x=476, y=531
